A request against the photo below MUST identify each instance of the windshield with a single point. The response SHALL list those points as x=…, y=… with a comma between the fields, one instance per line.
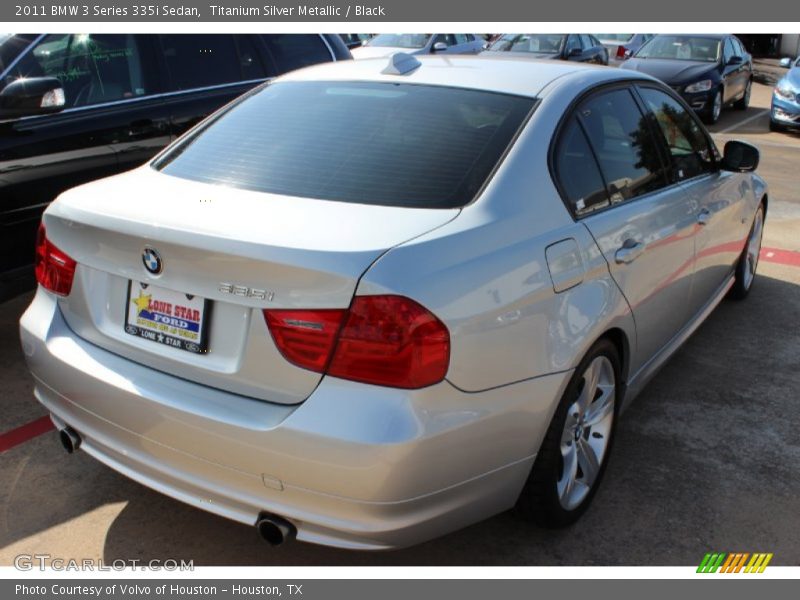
x=681, y=47
x=400, y=40
x=392, y=144
x=540, y=43
x=614, y=37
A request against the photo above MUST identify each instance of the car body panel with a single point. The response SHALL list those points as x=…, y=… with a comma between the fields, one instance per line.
x=657, y=285
x=325, y=464
x=307, y=264
x=729, y=200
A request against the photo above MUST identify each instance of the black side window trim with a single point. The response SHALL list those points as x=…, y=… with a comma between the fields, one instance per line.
x=572, y=112
x=660, y=135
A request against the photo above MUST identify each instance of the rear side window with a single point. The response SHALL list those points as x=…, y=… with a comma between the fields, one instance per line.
x=370, y=143
x=627, y=152
x=294, y=51
x=197, y=60
x=578, y=173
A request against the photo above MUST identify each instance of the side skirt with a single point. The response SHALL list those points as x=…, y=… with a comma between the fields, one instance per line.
x=639, y=380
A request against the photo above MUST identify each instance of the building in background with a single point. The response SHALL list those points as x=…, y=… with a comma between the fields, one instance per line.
x=771, y=45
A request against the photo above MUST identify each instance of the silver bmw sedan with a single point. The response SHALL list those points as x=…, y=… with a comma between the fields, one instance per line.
x=373, y=302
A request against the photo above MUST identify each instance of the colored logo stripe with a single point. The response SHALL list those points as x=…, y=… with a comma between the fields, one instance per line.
x=734, y=562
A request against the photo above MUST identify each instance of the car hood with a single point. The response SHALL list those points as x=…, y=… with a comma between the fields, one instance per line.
x=670, y=71
x=380, y=51
x=792, y=78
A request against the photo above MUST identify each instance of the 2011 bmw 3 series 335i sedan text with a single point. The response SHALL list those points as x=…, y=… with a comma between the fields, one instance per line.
x=372, y=302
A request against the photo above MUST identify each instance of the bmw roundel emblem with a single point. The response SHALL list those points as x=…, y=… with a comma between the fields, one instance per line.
x=152, y=261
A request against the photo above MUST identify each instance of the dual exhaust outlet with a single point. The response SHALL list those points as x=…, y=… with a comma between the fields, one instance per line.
x=273, y=529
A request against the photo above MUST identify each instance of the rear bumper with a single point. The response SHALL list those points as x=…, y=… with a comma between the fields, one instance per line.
x=354, y=466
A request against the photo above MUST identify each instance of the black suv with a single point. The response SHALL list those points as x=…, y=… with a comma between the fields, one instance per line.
x=76, y=107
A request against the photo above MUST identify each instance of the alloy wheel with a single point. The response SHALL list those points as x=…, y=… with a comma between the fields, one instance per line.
x=587, y=433
x=717, y=106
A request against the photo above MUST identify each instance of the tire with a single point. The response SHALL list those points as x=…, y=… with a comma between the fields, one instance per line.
x=547, y=498
x=748, y=261
x=711, y=116
x=743, y=102
x=773, y=126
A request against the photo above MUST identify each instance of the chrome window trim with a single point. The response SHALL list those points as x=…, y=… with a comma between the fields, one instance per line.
x=22, y=54
x=328, y=46
x=148, y=97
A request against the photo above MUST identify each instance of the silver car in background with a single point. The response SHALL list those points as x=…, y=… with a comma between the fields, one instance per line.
x=373, y=302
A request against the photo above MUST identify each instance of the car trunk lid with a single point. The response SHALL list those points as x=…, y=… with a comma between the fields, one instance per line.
x=241, y=251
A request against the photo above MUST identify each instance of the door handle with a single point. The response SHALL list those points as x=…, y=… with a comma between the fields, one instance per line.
x=629, y=252
x=703, y=217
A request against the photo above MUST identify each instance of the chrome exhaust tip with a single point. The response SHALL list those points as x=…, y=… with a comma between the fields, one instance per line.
x=274, y=530
x=70, y=439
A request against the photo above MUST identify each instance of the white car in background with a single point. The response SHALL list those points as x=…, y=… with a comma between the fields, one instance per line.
x=385, y=44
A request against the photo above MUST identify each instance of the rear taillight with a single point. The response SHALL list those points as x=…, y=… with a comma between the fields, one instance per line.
x=382, y=340
x=305, y=337
x=622, y=52
x=54, y=269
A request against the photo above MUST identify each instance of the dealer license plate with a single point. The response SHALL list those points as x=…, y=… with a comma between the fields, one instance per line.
x=167, y=317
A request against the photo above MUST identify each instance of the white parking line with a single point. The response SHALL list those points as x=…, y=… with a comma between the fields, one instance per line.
x=747, y=120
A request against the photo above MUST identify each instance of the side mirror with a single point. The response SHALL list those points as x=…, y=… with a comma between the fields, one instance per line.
x=735, y=60
x=786, y=63
x=439, y=47
x=33, y=96
x=740, y=157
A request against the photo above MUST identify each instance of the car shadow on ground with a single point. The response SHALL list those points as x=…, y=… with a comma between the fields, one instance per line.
x=705, y=460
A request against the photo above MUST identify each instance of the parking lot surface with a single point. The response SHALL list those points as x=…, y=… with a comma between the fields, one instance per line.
x=706, y=460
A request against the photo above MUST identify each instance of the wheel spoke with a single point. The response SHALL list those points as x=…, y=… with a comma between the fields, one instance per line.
x=568, y=475
x=588, y=462
x=589, y=390
x=600, y=408
x=586, y=432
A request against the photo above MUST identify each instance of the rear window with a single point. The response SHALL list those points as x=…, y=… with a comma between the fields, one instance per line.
x=371, y=143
